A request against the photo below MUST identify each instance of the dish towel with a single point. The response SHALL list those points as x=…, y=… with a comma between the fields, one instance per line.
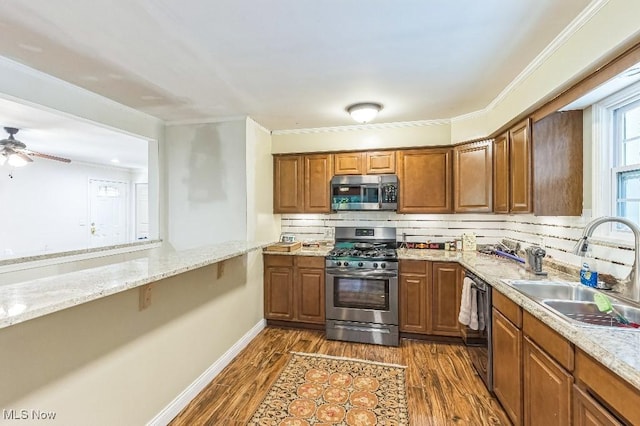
x=473, y=322
x=481, y=319
x=464, y=317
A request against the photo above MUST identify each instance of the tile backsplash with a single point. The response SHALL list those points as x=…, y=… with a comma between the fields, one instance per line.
x=557, y=235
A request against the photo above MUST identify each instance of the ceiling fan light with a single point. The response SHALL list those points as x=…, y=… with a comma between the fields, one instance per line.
x=364, y=112
x=18, y=159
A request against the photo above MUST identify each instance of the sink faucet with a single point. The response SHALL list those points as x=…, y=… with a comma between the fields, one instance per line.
x=631, y=284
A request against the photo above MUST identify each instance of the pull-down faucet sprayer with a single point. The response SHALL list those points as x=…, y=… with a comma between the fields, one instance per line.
x=631, y=283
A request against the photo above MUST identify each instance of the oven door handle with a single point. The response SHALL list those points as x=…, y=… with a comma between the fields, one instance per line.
x=341, y=273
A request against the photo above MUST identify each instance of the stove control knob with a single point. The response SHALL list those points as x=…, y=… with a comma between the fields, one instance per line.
x=360, y=264
x=383, y=265
x=338, y=263
x=375, y=265
x=346, y=264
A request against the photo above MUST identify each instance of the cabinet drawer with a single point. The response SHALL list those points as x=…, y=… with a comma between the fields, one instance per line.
x=309, y=261
x=553, y=343
x=507, y=308
x=418, y=267
x=619, y=395
x=278, y=260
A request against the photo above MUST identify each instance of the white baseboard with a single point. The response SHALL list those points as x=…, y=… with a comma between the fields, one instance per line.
x=186, y=396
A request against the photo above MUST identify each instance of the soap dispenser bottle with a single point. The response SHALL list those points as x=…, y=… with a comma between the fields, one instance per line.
x=589, y=269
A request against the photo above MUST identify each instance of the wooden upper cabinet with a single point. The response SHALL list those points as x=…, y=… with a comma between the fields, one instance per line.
x=380, y=162
x=473, y=177
x=557, y=164
x=501, y=174
x=425, y=180
x=349, y=163
x=318, y=170
x=288, y=184
x=520, y=168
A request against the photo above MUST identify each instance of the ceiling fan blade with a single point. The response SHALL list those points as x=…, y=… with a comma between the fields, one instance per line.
x=48, y=156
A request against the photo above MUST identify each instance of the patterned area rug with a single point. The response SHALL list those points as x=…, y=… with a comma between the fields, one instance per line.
x=322, y=390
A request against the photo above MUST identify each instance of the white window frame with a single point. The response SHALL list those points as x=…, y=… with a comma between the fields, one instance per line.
x=604, y=172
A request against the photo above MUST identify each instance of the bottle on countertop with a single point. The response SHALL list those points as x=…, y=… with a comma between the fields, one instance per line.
x=589, y=269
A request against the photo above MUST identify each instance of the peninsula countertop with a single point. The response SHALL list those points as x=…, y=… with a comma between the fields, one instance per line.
x=23, y=301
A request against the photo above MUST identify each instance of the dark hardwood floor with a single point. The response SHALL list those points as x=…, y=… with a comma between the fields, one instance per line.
x=442, y=385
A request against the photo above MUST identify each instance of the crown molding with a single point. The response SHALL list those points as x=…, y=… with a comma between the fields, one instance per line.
x=573, y=27
x=259, y=126
x=206, y=120
x=357, y=127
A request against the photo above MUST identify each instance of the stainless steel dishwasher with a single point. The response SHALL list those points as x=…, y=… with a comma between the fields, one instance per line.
x=479, y=348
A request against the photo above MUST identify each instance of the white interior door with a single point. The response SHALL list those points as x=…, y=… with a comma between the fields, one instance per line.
x=142, y=211
x=107, y=213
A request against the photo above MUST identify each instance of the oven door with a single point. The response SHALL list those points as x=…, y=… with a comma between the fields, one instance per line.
x=369, y=296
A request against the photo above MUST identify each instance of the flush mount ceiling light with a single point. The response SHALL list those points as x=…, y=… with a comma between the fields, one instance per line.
x=364, y=112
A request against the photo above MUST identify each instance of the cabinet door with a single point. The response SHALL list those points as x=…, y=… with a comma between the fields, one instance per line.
x=413, y=303
x=557, y=164
x=288, y=181
x=446, y=293
x=380, y=162
x=317, y=178
x=501, y=174
x=507, y=367
x=588, y=412
x=309, y=289
x=348, y=163
x=547, y=388
x=473, y=177
x=425, y=180
x=520, y=168
x=278, y=293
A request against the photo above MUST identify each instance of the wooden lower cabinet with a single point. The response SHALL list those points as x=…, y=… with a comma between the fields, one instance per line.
x=294, y=288
x=546, y=390
x=588, y=412
x=309, y=286
x=278, y=293
x=507, y=366
x=446, y=294
x=429, y=297
x=413, y=296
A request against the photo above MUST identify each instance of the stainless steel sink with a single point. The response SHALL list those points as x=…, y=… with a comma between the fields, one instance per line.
x=588, y=313
x=563, y=291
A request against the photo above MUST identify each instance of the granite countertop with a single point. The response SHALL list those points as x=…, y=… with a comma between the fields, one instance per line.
x=321, y=251
x=31, y=299
x=617, y=349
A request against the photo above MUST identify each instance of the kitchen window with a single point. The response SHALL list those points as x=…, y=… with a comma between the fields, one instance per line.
x=616, y=138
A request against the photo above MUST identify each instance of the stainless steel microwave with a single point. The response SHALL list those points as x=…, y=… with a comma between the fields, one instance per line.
x=364, y=192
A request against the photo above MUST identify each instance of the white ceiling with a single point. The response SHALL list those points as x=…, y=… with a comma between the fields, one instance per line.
x=52, y=133
x=286, y=63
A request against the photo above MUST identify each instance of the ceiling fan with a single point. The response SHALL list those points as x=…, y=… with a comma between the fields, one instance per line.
x=15, y=153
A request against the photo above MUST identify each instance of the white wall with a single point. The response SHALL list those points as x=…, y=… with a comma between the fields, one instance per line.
x=207, y=183
x=374, y=136
x=46, y=207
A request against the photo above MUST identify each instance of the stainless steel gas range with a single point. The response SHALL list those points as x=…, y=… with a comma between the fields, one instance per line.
x=362, y=286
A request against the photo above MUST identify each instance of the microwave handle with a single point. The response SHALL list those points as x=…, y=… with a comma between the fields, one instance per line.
x=379, y=192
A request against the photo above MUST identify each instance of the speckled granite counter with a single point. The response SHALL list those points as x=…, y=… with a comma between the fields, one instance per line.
x=31, y=299
x=304, y=251
x=617, y=349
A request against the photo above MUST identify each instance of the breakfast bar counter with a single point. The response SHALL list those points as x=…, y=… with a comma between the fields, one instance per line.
x=23, y=301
